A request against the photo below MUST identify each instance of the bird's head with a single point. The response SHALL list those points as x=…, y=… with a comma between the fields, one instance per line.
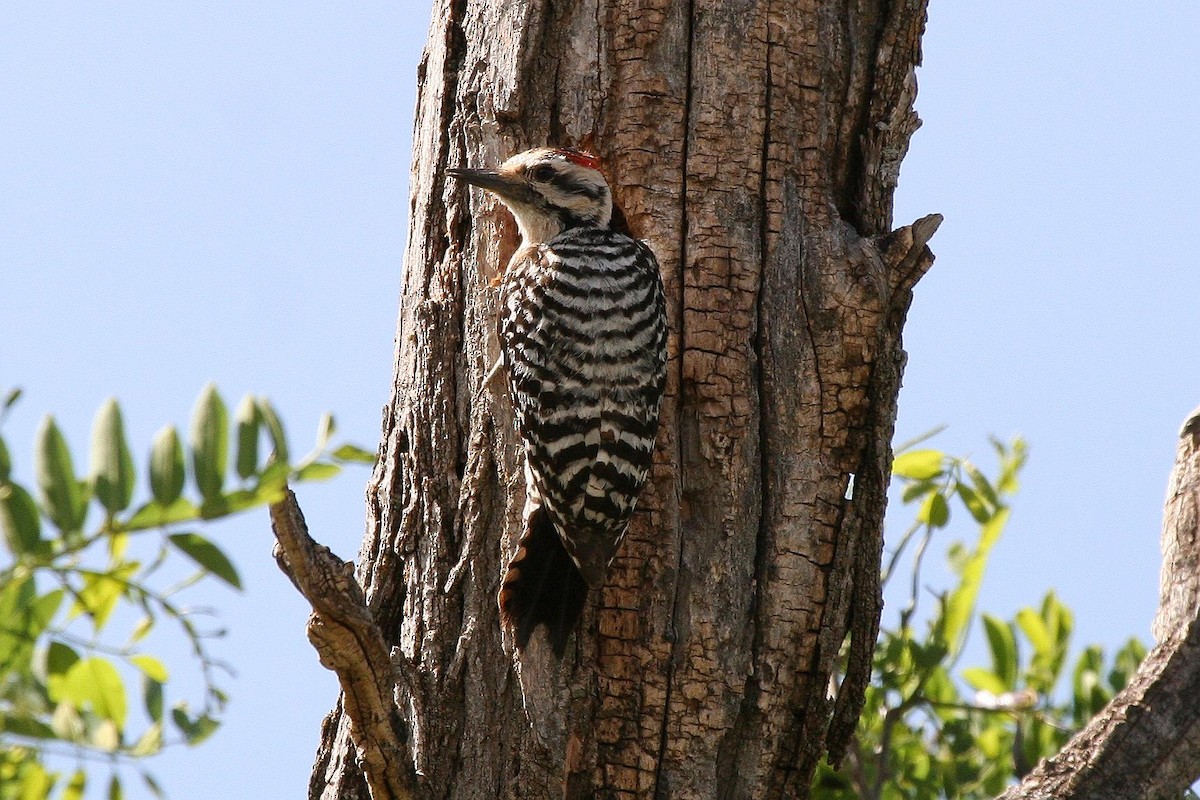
x=548, y=190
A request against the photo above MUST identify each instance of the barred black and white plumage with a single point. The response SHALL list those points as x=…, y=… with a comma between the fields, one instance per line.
x=583, y=335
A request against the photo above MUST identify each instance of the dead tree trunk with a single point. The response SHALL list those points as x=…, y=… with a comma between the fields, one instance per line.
x=756, y=145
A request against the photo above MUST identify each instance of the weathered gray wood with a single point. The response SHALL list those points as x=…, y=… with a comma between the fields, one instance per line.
x=756, y=146
x=1145, y=744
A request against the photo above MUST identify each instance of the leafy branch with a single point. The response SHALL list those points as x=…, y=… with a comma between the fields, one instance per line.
x=63, y=689
x=925, y=733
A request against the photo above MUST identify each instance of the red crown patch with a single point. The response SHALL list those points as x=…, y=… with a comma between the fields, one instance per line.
x=580, y=157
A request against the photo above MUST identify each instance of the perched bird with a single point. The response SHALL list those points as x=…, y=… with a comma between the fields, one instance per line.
x=583, y=335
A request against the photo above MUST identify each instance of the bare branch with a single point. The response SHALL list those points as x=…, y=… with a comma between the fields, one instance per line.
x=905, y=252
x=349, y=642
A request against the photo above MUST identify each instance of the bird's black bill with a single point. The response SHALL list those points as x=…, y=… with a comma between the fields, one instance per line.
x=483, y=178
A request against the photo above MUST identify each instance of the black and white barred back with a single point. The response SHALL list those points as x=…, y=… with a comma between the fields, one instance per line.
x=583, y=333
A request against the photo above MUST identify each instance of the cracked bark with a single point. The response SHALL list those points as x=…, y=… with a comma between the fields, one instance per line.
x=756, y=145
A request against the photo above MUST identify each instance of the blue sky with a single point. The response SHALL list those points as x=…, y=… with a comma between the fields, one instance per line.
x=219, y=192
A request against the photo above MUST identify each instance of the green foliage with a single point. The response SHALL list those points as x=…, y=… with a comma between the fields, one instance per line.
x=923, y=734
x=98, y=691
x=112, y=465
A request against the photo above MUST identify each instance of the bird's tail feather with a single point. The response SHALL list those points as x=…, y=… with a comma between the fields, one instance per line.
x=542, y=586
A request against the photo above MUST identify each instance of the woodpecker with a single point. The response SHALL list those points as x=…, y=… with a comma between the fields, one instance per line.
x=583, y=336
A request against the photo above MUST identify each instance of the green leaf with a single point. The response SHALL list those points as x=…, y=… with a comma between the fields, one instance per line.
x=927, y=656
x=26, y=726
x=248, y=422
x=1059, y=623
x=207, y=555
x=1125, y=664
x=326, y=427
x=1089, y=693
x=974, y=503
x=1035, y=630
x=1003, y=645
x=95, y=682
x=118, y=544
x=917, y=489
x=1012, y=459
x=984, y=680
x=210, y=442
x=155, y=515
x=233, y=503
x=918, y=465
x=20, y=522
x=934, y=511
x=42, y=610
x=152, y=698
x=194, y=731
x=989, y=532
x=75, y=787
x=960, y=603
x=938, y=686
x=10, y=399
x=112, y=472
x=153, y=786
x=62, y=498
x=274, y=428
x=273, y=481
x=5, y=462
x=151, y=741
x=24, y=616
x=59, y=660
x=350, y=452
x=15, y=594
x=141, y=629
x=36, y=782
x=317, y=471
x=166, y=466
x=101, y=591
x=982, y=485
x=114, y=788
x=205, y=727
x=1059, y=619
x=150, y=666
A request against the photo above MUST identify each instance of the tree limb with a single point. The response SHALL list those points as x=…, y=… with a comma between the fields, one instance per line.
x=348, y=641
x=1146, y=742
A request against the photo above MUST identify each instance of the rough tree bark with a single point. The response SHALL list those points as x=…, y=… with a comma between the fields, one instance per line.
x=756, y=144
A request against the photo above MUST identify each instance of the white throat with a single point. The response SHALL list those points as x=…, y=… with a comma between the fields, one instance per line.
x=536, y=228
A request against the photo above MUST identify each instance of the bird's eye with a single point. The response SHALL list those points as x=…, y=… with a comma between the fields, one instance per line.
x=542, y=173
